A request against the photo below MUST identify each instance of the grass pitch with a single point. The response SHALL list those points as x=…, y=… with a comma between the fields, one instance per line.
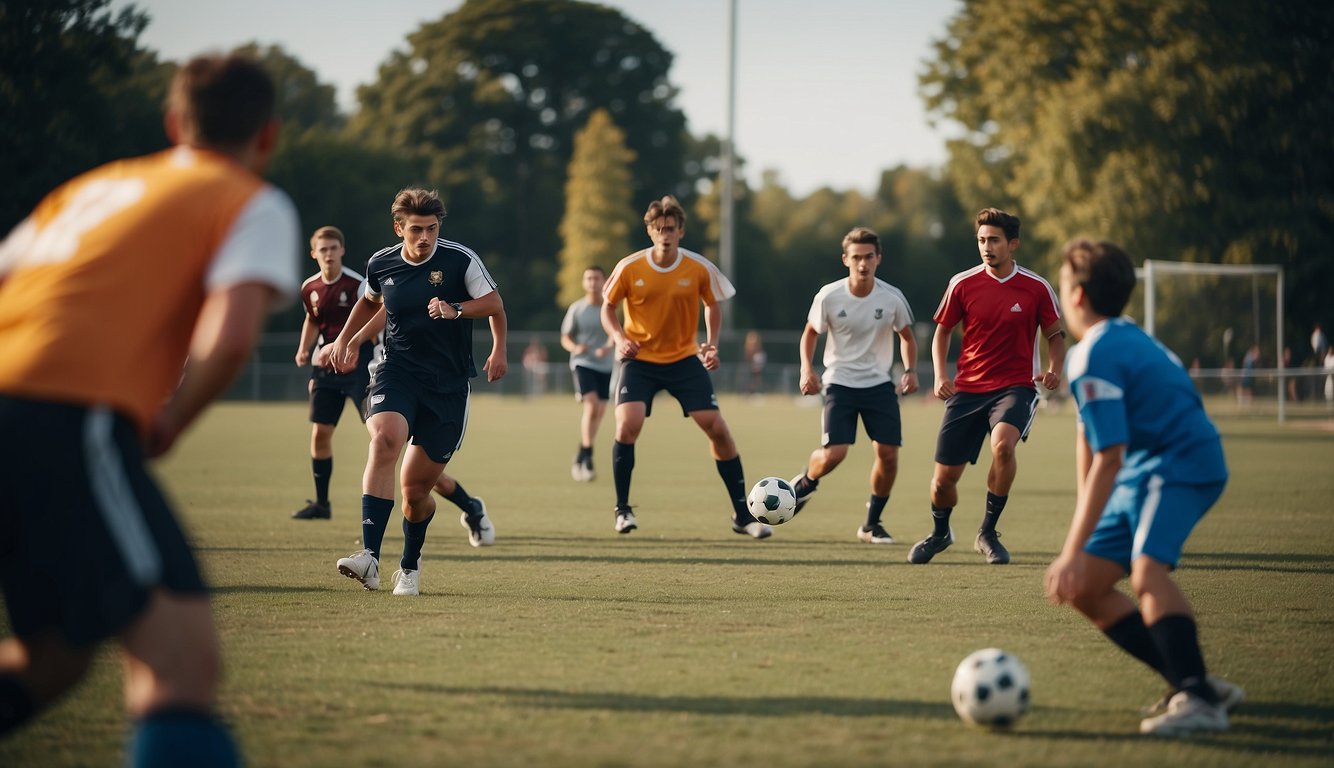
x=685, y=644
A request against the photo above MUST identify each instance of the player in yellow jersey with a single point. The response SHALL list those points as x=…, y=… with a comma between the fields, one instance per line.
x=129, y=299
x=659, y=290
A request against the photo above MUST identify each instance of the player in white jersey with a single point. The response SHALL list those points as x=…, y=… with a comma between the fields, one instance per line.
x=862, y=315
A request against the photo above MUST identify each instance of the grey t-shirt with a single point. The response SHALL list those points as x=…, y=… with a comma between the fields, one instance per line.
x=583, y=323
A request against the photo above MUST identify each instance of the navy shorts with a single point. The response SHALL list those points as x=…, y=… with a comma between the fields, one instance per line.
x=329, y=390
x=588, y=381
x=877, y=406
x=78, y=501
x=687, y=380
x=970, y=416
x=437, y=419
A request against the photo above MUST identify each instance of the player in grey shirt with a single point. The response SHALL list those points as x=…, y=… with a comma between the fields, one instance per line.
x=591, y=361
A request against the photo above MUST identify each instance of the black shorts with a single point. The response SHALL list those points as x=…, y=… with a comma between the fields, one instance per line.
x=437, y=419
x=85, y=533
x=969, y=416
x=687, y=380
x=877, y=406
x=588, y=381
x=329, y=390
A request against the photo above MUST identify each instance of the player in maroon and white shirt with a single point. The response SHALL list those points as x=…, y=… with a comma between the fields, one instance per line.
x=1002, y=307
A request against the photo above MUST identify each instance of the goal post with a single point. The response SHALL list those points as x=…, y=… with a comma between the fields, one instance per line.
x=1153, y=268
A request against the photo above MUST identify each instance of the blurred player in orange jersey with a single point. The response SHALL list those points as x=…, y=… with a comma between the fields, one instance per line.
x=661, y=289
x=129, y=299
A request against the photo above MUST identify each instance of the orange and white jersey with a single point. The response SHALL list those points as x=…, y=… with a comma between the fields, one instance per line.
x=661, y=304
x=101, y=285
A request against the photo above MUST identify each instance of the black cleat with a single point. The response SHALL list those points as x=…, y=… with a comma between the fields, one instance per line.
x=803, y=492
x=922, y=552
x=988, y=543
x=313, y=510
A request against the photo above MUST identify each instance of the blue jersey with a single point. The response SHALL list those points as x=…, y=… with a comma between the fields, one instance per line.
x=1133, y=391
x=434, y=351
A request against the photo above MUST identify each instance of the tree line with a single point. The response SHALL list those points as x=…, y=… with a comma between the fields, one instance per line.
x=1185, y=129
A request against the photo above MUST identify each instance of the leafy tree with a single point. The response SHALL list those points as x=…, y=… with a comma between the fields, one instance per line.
x=598, y=215
x=304, y=103
x=491, y=95
x=1184, y=129
x=75, y=92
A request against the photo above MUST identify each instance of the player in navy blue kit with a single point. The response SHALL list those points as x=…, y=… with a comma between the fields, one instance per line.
x=1149, y=465
x=328, y=297
x=431, y=289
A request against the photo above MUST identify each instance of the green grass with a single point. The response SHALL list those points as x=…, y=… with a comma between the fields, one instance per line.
x=684, y=644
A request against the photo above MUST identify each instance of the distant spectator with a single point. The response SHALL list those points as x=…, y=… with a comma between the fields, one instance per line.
x=755, y=360
x=535, y=367
x=1246, y=393
x=1329, y=378
x=1319, y=344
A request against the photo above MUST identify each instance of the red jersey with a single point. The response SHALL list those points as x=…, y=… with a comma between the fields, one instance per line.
x=1002, y=319
x=328, y=304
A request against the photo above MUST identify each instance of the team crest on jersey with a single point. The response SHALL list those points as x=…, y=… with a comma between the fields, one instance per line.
x=436, y=278
x=342, y=298
x=879, y=313
x=315, y=303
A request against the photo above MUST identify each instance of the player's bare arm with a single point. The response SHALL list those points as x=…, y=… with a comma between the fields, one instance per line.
x=345, y=352
x=810, y=382
x=611, y=323
x=908, y=351
x=497, y=364
x=1055, y=335
x=309, y=332
x=713, y=323
x=940, y=350
x=229, y=323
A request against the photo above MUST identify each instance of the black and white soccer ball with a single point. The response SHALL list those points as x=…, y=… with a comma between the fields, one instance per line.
x=772, y=501
x=990, y=688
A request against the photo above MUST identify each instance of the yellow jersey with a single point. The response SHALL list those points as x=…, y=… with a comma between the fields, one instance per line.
x=661, y=304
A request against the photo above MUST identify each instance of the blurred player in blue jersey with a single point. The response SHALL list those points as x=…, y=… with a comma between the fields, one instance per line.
x=1149, y=465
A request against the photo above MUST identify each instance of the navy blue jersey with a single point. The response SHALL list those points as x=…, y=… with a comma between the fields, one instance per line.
x=435, y=352
x=1132, y=391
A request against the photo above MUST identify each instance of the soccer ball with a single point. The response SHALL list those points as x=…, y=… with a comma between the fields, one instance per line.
x=990, y=688
x=772, y=501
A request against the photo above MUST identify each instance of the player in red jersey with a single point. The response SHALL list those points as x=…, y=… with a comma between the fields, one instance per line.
x=129, y=300
x=1002, y=307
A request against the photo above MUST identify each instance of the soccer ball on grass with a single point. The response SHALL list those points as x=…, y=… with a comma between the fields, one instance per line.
x=772, y=501
x=990, y=688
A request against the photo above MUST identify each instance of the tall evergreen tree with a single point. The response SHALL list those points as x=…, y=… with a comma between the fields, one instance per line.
x=599, y=212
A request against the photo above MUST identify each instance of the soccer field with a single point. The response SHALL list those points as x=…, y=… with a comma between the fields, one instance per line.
x=685, y=644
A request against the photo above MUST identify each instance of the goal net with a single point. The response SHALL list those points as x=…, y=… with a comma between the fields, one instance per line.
x=1225, y=322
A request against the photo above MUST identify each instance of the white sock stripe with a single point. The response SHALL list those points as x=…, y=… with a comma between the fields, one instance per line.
x=115, y=501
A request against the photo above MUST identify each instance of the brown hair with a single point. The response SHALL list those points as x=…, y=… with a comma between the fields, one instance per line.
x=328, y=233
x=862, y=236
x=222, y=101
x=415, y=201
x=1104, y=271
x=667, y=207
x=995, y=217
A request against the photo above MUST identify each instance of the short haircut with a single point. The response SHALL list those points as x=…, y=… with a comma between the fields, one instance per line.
x=995, y=217
x=328, y=233
x=1104, y=271
x=222, y=102
x=862, y=236
x=415, y=201
x=596, y=268
x=667, y=207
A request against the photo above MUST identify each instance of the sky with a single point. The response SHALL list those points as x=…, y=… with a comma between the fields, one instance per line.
x=826, y=90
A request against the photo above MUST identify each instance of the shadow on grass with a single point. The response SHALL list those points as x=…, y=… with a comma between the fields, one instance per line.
x=750, y=706
x=1277, y=562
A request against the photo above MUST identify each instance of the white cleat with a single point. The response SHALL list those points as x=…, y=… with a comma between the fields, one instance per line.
x=407, y=582
x=754, y=529
x=481, y=533
x=625, y=521
x=1186, y=715
x=362, y=566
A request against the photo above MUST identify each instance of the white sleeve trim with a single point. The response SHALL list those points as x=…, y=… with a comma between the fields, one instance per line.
x=260, y=246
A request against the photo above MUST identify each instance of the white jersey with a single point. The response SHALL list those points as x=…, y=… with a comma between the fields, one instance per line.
x=860, y=349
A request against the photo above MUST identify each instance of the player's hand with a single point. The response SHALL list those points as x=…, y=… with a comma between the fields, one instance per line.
x=1048, y=379
x=496, y=366
x=945, y=388
x=302, y=357
x=908, y=383
x=708, y=354
x=1064, y=579
x=324, y=357
x=345, y=356
x=810, y=383
x=629, y=348
x=601, y=352
x=441, y=310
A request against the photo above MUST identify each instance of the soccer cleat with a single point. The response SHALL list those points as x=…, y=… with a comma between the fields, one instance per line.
x=1186, y=714
x=362, y=566
x=407, y=582
x=625, y=520
x=988, y=543
x=802, y=498
x=754, y=529
x=589, y=474
x=313, y=510
x=1230, y=696
x=481, y=533
x=922, y=552
x=876, y=534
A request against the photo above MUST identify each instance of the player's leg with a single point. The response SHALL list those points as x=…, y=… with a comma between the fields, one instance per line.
x=326, y=405
x=1011, y=416
x=417, y=478
x=838, y=430
x=388, y=434
x=879, y=409
x=595, y=409
x=172, y=668
x=639, y=383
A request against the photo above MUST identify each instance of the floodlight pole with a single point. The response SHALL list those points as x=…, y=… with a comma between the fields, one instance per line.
x=726, y=243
